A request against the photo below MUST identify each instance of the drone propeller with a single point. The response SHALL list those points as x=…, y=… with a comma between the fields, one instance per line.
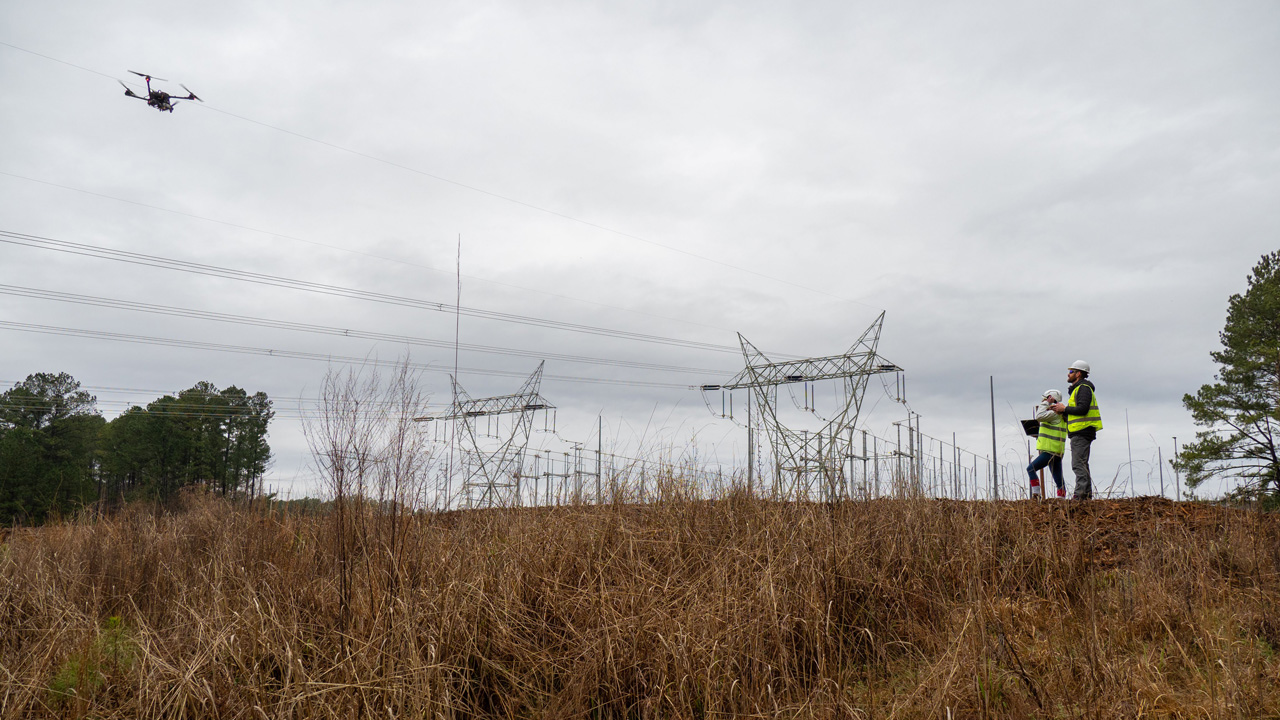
x=149, y=77
x=129, y=92
x=191, y=94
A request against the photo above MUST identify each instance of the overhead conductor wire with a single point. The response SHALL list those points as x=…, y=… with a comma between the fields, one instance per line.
x=300, y=355
x=482, y=191
x=46, y=243
x=170, y=310
x=339, y=248
x=457, y=308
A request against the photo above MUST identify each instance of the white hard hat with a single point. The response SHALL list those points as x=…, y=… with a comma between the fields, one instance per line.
x=1080, y=365
x=1057, y=396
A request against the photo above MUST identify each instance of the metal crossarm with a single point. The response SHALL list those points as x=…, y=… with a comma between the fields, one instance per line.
x=500, y=405
x=804, y=456
x=493, y=479
x=834, y=367
x=526, y=399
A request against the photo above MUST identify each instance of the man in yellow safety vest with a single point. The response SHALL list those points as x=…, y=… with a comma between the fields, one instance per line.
x=1051, y=442
x=1083, y=423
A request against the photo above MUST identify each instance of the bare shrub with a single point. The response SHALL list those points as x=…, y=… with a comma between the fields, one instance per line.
x=375, y=467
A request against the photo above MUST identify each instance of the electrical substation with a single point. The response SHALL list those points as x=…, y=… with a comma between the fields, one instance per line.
x=808, y=410
x=491, y=472
x=805, y=460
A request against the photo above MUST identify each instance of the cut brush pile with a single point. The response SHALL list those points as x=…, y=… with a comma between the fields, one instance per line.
x=730, y=608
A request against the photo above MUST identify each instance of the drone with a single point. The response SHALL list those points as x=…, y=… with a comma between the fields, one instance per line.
x=158, y=99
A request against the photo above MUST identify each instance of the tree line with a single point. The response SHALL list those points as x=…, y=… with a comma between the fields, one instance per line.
x=58, y=453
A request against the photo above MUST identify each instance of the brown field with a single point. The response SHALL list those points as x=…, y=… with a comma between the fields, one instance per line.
x=690, y=609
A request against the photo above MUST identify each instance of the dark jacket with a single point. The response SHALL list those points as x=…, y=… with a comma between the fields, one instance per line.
x=1084, y=399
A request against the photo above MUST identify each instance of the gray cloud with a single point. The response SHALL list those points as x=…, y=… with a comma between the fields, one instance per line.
x=1017, y=186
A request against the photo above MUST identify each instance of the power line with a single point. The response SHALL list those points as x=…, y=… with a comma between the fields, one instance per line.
x=64, y=62
x=45, y=243
x=296, y=355
x=482, y=191
x=538, y=208
x=184, y=410
x=150, y=391
x=292, y=407
x=340, y=248
x=171, y=310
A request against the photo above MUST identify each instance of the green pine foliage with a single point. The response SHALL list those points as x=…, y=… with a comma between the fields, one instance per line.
x=82, y=675
x=202, y=436
x=48, y=438
x=1240, y=412
x=58, y=454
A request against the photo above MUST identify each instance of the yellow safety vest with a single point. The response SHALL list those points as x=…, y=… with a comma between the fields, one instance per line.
x=1091, y=419
x=1052, y=437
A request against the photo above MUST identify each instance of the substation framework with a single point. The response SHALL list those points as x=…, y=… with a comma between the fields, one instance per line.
x=805, y=458
x=492, y=478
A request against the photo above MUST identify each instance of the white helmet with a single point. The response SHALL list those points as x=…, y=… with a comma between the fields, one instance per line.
x=1080, y=365
x=1054, y=395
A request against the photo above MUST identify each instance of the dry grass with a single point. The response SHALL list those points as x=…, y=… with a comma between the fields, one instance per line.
x=737, y=607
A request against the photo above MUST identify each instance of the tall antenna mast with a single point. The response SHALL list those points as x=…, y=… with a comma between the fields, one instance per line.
x=457, y=334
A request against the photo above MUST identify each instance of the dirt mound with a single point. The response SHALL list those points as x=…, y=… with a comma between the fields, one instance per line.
x=1114, y=528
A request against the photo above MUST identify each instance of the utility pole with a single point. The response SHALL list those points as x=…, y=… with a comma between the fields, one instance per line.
x=1160, y=459
x=875, y=461
x=913, y=473
x=1177, y=481
x=897, y=457
x=848, y=481
x=920, y=452
x=955, y=466
x=751, y=455
x=864, y=464
x=1133, y=492
x=940, y=474
x=995, y=472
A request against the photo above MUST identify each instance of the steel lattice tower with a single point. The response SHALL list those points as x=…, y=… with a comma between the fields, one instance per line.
x=492, y=479
x=805, y=457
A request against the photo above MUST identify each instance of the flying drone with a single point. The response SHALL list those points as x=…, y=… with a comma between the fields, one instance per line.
x=159, y=99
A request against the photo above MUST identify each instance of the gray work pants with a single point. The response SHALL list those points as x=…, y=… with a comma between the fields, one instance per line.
x=1080, y=466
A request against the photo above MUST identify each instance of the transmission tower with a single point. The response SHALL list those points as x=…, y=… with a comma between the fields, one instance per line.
x=804, y=457
x=491, y=477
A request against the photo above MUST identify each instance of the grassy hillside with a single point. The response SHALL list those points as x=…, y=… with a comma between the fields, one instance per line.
x=737, y=607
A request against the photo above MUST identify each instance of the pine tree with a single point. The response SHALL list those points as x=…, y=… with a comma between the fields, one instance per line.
x=1241, y=411
x=48, y=439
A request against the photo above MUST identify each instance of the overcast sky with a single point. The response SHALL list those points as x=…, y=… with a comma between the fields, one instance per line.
x=1017, y=186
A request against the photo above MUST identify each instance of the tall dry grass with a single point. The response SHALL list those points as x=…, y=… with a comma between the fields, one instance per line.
x=736, y=607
